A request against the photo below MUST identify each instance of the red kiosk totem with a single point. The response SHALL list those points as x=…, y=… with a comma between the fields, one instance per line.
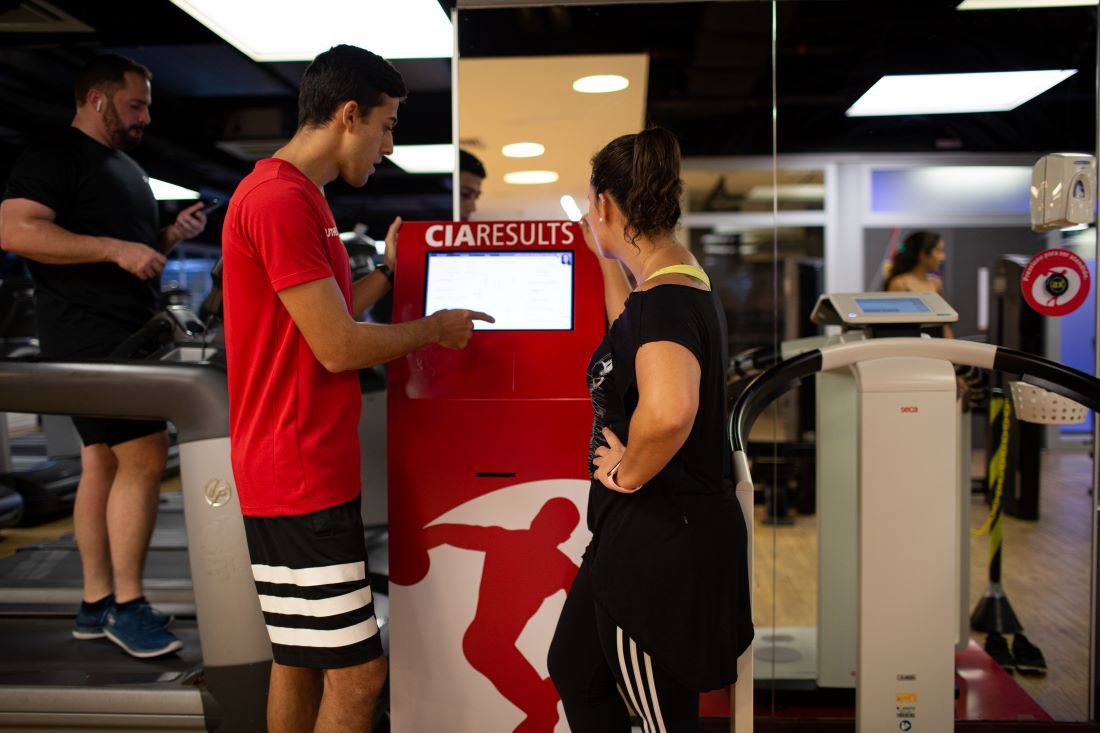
x=488, y=477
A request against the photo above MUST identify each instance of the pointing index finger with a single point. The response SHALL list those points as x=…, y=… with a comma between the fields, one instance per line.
x=479, y=316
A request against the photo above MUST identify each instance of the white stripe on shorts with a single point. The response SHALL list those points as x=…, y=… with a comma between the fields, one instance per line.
x=323, y=638
x=653, y=694
x=317, y=607
x=640, y=688
x=626, y=677
x=304, y=577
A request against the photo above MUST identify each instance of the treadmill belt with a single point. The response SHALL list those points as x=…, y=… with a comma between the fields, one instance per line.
x=42, y=651
x=54, y=576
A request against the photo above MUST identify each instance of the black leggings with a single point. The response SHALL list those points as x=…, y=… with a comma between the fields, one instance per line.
x=590, y=655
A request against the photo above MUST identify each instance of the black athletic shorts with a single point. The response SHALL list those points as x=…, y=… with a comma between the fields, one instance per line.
x=115, y=431
x=311, y=576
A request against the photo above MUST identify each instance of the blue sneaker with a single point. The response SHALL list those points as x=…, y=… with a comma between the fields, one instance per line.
x=89, y=624
x=138, y=632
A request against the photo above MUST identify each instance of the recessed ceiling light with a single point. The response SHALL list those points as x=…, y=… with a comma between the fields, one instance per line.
x=273, y=30
x=601, y=84
x=569, y=206
x=936, y=94
x=530, y=177
x=1021, y=4
x=165, y=191
x=424, y=158
x=523, y=150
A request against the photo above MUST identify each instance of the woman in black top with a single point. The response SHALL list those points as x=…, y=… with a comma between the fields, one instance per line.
x=660, y=605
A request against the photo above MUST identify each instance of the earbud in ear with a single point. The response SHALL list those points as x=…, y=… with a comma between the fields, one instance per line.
x=98, y=105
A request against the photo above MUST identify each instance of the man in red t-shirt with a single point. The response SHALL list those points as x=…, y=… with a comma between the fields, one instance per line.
x=293, y=352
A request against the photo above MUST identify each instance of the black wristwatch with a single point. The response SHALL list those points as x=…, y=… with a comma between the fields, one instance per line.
x=385, y=270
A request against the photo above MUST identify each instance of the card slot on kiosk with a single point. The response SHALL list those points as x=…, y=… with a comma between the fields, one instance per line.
x=487, y=469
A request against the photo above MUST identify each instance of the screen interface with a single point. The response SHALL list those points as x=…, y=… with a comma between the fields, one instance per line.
x=523, y=291
x=892, y=305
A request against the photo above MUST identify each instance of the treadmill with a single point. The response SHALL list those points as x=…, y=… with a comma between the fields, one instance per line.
x=49, y=572
x=51, y=682
x=11, y=506
x=42, y=467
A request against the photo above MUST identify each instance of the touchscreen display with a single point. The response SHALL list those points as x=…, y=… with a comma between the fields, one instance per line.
x=893, y=305
x=523, y=291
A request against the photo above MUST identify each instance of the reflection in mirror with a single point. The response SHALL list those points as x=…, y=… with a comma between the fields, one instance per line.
x=536, y=146
x=962, y=175
x=698, y=69
x=829, y=214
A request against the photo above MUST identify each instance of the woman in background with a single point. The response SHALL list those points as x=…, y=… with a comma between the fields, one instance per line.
x=916, y=265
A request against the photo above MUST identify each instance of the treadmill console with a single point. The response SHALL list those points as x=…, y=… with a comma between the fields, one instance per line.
x=860, y=310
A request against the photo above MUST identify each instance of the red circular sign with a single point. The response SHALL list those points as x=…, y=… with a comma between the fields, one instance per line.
x=1056, y=282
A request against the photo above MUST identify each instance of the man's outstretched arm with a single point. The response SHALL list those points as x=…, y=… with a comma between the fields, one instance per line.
x=341, y=343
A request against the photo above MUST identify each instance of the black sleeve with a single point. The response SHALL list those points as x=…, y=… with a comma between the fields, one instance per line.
x=46, y=172
x=671, y=313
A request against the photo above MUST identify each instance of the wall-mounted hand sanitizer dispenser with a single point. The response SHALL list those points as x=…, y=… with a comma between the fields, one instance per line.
x=1063, y=191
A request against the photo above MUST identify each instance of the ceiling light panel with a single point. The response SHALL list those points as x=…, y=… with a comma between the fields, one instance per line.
x=1022, y=4
x=165, y=191
x=424, y=158
x=801, y=192
x=932, y=94
x=275, y=30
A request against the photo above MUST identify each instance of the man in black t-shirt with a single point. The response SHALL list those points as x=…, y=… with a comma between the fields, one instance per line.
x=81, y=211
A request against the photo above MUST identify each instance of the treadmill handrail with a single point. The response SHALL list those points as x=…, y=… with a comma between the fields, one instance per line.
x=1050, y=375
x=194, y=397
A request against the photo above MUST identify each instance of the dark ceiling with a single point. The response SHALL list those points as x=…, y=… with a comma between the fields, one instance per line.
x=711, y=68
x=710, y=82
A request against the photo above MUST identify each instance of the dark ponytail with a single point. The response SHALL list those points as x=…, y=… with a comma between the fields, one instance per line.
x=642, y=173
x=909, y=252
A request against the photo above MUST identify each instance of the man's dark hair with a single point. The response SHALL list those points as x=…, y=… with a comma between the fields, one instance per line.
x=346, y=73
x=469, y=163
x=106, y=72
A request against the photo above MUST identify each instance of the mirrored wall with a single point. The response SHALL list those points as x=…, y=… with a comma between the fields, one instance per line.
x=794, y=187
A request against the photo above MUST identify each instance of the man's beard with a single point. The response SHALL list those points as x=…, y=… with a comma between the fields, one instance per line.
x=122, y=138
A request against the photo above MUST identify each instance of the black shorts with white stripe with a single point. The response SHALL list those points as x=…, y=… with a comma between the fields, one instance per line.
x=311, y=576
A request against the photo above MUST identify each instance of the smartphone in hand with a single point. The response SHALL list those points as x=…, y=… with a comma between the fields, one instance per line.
x=211, y=205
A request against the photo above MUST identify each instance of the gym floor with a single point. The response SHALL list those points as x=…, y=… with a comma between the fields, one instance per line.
x=1046, y=566
x=1045, y=574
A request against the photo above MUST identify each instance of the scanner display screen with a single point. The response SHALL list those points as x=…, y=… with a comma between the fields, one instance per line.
x=523, y=291
x=892, y=305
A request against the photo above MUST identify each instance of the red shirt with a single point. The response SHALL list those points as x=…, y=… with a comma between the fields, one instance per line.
x=293, y=425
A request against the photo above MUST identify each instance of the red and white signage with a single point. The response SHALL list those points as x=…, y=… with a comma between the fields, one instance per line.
x=487, y=467
x=1056, y=282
